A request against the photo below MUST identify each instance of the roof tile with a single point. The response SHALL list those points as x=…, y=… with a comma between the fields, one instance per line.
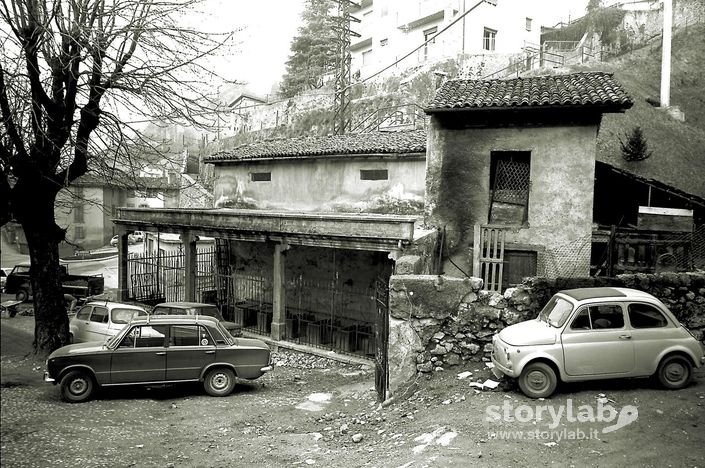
x=412, y=141
x=575, y=89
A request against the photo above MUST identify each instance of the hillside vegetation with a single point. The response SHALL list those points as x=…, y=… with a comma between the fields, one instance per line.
x=678, y=148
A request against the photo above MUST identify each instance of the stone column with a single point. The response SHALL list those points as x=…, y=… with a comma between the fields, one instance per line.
x=190, y=264
x=279, y=292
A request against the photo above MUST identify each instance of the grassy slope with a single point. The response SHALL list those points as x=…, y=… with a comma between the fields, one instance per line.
x=678, y=148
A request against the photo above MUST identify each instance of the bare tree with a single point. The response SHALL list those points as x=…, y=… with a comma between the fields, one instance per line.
x=70, y=73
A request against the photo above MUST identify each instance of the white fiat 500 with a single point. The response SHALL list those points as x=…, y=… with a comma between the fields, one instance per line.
x=597, y=333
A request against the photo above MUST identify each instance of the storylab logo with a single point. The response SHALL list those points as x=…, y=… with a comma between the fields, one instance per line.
x=567, y=415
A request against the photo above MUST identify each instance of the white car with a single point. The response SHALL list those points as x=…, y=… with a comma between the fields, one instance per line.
x=597, y=333
x=98, y=320
x=131, y=239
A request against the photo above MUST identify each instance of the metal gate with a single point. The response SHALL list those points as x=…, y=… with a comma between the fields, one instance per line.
x=488, y=256
x=155, y=278
x=382, y=338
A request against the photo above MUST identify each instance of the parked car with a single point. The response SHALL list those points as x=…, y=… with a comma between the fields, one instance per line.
x=18, y=282
x=131, y=239
x=159, y=350
x=97, y=320
x=597, y=333
x=196, y=308
x=4, y=272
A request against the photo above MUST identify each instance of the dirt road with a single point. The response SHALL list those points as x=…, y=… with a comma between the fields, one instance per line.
x=312, y=411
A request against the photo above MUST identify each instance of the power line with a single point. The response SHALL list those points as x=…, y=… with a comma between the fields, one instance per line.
x=427, y=41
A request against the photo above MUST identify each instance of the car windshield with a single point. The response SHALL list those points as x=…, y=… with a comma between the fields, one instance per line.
x=556, y=312
x=113, y=340
x=125, y=315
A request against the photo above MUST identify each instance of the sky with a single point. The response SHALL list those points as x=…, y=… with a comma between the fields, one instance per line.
x=267, y=27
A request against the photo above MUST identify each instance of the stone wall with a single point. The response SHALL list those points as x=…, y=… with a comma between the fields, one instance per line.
x=438, y=322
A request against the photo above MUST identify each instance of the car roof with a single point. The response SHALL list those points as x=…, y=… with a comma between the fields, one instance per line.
x=174, y=319
x=111, y=304
x=582, y=294
x=185, y=305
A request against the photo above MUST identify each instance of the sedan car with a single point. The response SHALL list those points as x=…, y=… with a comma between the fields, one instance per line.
x=597, y=333
x=98, y=320
x=159, y=350
x=196, y=308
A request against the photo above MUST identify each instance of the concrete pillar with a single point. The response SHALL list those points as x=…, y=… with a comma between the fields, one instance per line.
x=434, y=166
x=123, y=291
x=279, y=292
x=189, y=242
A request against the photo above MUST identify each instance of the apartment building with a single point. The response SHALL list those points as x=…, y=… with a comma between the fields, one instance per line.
x=433, y=30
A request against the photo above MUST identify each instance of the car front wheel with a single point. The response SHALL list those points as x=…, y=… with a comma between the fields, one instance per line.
x=675, y=372
x=538, y=380
x=22, y=295
x=77, y=386
x=219, y=382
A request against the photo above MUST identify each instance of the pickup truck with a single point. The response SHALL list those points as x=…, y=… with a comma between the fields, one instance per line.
x=79, y=286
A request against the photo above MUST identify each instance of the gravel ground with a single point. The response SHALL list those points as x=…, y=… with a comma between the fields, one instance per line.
x=316, y=412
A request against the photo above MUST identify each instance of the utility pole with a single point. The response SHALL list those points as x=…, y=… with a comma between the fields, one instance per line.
x=341, y=117
x=666, y=53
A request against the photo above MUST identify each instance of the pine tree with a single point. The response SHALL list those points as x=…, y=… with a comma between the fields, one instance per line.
x=635, y=148
x=313, y=50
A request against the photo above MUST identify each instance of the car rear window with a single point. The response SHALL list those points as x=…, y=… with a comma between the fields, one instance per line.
x=646, y=316
x=210, y=312
x=125, y=315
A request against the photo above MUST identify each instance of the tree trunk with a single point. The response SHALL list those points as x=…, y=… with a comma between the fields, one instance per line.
x=34, y=209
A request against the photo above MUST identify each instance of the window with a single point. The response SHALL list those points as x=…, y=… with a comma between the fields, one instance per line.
x=383, y=42
x=125, y=315
x=427, y=35
x=190, y=335
x=100, y=315
x=145, y=336
x=510, y=183
x=488, y=39
x=599, y=317
x=78, y=232
x=528, y=24
x=78, y=213
x=373, y=174
x=646, y=316
x=260, y=176
x=84, y=313
x=366, y=57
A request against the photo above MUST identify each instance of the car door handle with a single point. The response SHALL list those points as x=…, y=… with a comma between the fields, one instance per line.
x=625, y=337
x=210, y=352
x=161, y=353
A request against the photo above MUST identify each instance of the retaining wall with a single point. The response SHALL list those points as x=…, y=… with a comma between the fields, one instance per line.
x=438, y=322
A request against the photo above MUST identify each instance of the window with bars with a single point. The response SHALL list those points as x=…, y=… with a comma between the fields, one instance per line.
x=488, y=39
x=510, y=182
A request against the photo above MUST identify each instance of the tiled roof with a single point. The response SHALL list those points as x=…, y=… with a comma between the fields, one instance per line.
x=413, y=141
x=586, y=89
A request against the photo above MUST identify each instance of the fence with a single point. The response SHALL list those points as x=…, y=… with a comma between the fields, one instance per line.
x=159, y=278
x=624, y=250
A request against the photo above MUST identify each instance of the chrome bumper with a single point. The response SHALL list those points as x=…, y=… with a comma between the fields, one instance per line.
x=48, y=379
x=266, y=368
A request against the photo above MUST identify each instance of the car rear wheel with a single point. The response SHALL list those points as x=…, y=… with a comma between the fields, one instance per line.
x=538, y=380
x=219, y=382
x=675, y=372
x=77, y=386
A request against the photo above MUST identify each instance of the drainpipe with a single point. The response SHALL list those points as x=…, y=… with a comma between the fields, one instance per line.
x=666, y=53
